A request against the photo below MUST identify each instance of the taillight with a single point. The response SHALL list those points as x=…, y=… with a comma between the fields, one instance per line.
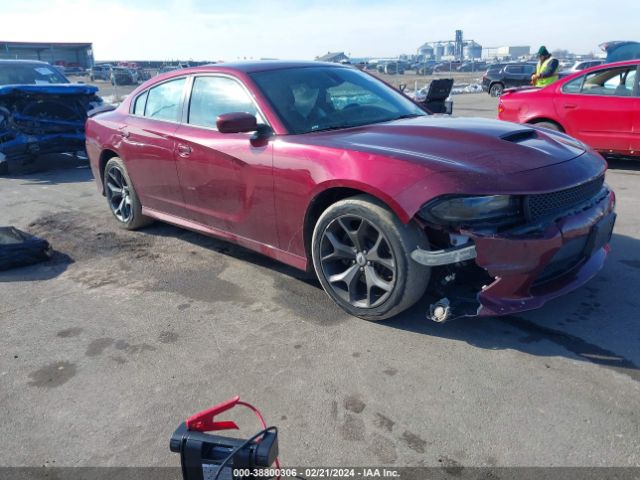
x=500, y=107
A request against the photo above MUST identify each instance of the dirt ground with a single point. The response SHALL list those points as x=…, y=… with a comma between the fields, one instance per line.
x=108, y=347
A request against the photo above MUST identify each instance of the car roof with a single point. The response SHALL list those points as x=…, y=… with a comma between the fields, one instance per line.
x=595, y=68
x=263, y=66
x=624, y=63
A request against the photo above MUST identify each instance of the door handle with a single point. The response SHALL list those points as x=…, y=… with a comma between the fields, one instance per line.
x=184, y=150
x=570, y=106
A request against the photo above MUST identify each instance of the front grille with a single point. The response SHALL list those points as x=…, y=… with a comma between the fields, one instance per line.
x=549, y=204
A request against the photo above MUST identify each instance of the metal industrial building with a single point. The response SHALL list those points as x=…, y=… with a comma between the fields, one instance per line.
x=65, y=54
x=457, y=49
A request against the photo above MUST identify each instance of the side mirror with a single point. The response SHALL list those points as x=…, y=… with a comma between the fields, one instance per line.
x=236, y=122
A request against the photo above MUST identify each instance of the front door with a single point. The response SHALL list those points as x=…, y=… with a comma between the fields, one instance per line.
x=226, y=182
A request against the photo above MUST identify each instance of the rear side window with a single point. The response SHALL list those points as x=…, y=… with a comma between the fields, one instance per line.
x=214, y=96
x=514, y=69
x=165, y=100
x=574, y=86
x=138, y=105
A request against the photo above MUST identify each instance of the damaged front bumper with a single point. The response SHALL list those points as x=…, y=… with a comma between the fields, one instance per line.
x=522, y=269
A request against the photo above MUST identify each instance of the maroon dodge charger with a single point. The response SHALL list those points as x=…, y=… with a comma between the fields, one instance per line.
x=324, y=167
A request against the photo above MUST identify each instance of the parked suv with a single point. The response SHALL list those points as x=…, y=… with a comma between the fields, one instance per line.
x=123, y=76
x=507, y=75
x=100, y=72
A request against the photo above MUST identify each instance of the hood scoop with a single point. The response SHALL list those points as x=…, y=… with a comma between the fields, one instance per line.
x=520, y=136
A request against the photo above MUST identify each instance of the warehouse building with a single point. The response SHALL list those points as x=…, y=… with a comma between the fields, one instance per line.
x=64, y=54
x=507, y=52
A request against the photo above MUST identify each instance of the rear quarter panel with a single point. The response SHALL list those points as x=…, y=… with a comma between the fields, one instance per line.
x=101, y=133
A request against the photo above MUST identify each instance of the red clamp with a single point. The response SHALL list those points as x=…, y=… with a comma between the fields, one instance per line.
x=204, y=420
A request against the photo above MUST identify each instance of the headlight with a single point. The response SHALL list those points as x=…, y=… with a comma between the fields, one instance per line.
x=486, y=209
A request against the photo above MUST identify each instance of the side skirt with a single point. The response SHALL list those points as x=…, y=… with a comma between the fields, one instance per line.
x=295, y=261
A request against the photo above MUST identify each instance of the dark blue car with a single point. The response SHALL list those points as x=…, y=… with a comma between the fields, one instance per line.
x=621, y=51
x=40, y=111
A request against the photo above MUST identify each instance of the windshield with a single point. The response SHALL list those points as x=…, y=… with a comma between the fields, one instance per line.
x=29, y=74
x=313, y=99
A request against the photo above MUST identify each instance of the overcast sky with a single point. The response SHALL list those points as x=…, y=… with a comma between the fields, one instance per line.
x=228, y=30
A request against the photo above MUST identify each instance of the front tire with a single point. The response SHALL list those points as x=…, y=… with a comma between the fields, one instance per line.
x=122, y=197
x=361, y=254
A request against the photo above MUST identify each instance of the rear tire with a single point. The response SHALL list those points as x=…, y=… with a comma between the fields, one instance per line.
x=122, y=197
x=496, y=90
x=361, y=254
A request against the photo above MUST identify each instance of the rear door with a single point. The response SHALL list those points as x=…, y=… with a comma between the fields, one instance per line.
x=600, y=108
x=149, y=144
x=227, y=182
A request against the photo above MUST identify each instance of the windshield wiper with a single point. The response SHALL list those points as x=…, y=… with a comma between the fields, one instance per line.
x=408, y=115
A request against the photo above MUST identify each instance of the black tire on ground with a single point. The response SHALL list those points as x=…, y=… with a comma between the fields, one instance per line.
x=549, y=125
x=408, y=279
x=496, y=89
x=135, y=220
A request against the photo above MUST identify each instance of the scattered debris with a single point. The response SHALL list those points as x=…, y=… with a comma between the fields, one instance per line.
x=19, y=249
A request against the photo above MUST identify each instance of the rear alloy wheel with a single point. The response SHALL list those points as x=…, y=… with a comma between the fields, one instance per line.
x=361, y=253
x=496, y=89
x=121, y=196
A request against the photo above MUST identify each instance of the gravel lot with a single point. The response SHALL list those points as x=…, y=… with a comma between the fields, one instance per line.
x=109, y=346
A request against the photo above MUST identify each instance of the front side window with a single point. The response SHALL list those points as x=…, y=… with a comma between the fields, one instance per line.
x=214, y=96
x=311, y=99
x=611, y=82
x=165, y=100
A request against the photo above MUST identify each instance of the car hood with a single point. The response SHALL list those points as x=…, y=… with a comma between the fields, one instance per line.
x=455, y=144
x=52, y=89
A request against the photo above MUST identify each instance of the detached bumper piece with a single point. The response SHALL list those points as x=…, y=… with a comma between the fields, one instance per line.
x=435, y=258
x=19, y=249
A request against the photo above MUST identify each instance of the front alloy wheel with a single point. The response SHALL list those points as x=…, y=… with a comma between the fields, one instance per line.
x=361, y=254
x=357, y=261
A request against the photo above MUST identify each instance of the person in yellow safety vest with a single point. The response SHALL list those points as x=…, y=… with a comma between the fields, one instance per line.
x=546, y=70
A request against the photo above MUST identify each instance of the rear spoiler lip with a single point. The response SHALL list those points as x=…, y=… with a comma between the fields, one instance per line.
x=519, y=89
x=106, y=107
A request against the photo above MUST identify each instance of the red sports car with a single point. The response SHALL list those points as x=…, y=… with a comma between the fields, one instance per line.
x=599, y=106
x=326, y=168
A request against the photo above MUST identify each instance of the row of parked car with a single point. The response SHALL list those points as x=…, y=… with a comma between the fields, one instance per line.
x=501, y=76
x=598, y=105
